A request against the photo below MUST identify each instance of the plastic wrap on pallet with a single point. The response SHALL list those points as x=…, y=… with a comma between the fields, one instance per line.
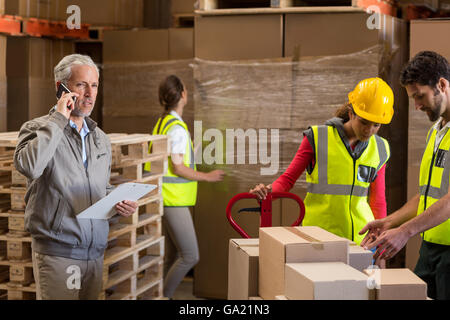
x=275, y=95
x=130, y=90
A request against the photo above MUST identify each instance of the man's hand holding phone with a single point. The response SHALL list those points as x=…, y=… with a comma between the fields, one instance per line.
x=66, y=100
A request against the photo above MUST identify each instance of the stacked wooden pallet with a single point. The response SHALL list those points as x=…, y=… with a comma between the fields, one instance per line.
x=16, y=268
x=133, y=263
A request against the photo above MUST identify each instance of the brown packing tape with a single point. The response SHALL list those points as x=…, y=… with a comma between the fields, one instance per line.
x=316, y=243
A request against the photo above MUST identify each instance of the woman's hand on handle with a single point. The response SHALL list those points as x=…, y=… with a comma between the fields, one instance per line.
x=261, y=190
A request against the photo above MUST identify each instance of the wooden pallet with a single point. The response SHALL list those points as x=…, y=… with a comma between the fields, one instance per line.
x=5, y=202
x=9, y=140
x=149, y=210
x=18, y=272
x=18, y=247
x=19, y=292
x=130, y=149
x=124, y=239
x=134, y=241
x=18, y=198
x=125, y=277
x=16, y=220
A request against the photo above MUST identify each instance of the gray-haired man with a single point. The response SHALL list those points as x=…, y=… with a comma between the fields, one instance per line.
x=67, y=160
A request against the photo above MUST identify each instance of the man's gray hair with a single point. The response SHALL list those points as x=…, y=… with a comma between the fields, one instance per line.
x=63, y=70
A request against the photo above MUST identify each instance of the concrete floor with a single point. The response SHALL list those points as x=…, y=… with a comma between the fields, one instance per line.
x=185, y=290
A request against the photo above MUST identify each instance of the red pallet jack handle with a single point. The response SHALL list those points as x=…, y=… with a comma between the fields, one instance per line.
x=266, y=209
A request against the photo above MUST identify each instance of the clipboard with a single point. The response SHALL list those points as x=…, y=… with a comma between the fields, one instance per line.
x=105, y=208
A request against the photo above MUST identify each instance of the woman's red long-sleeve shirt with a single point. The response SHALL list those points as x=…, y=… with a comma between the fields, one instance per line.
x=305, y=156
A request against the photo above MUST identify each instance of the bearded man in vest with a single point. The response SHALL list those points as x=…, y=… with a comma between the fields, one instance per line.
x=427, y=80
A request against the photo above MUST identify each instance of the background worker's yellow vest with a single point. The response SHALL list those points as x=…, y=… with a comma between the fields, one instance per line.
x=176, y=191
x=338, y=185
x=433, y=183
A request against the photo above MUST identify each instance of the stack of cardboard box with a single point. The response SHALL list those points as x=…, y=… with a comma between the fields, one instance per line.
x=31, y=84
x=135, y=62
x=309, y=263
x=118, y=13
x=299, y=67
x=42, y=9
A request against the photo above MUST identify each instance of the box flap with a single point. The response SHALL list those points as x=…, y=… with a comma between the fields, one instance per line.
x=328, y=271
x=399, y=276
x=358, y=249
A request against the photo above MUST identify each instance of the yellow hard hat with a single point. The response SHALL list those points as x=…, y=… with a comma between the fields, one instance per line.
x=373, y=100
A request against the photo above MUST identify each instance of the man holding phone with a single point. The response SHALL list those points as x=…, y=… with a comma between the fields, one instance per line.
x=67, y=160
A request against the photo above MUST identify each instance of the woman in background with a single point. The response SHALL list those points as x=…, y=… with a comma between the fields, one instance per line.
x=179, y=188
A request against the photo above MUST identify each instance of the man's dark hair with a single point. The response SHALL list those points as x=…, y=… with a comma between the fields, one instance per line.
x=426, y=68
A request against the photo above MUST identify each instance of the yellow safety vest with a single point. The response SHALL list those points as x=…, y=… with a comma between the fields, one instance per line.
x=338, y=185
x=176, y=191
x=433, y=183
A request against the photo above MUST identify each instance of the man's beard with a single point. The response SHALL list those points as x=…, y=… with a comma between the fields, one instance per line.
x=437, y=106
x=78, y=112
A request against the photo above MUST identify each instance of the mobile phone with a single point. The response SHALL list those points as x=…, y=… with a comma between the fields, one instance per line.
x=61, y=89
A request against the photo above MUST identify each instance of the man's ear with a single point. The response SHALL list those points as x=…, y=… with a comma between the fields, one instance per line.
x=57, y=84
x=443, y=84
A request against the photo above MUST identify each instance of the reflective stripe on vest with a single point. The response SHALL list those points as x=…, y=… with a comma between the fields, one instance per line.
x=177, y=191
x=337, y=194
x=434, y=183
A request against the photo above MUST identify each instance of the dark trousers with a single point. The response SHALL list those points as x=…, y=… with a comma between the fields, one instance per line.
x=433, y=267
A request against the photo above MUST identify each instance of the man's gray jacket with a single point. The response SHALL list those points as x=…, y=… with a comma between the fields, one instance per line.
x=49, y=154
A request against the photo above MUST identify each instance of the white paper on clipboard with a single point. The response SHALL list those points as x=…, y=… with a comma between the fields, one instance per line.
x=105, y=208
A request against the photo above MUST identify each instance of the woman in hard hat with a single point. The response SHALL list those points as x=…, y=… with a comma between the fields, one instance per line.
x=345, y=163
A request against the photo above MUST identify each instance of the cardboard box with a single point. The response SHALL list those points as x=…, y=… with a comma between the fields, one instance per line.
x=182, y=6
x=243, y=269
x=397, y=284
x=316, y=35
x=421, y=36
x=2, y=6
x=136, y=45
x=281, y=245
x=359, y=258
x=325, y=281
x=119, y=13
x=240, y=37
x=135, y=62
x=31, y=84
x=42, y=9
x=181, y=43
x=281, y=297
